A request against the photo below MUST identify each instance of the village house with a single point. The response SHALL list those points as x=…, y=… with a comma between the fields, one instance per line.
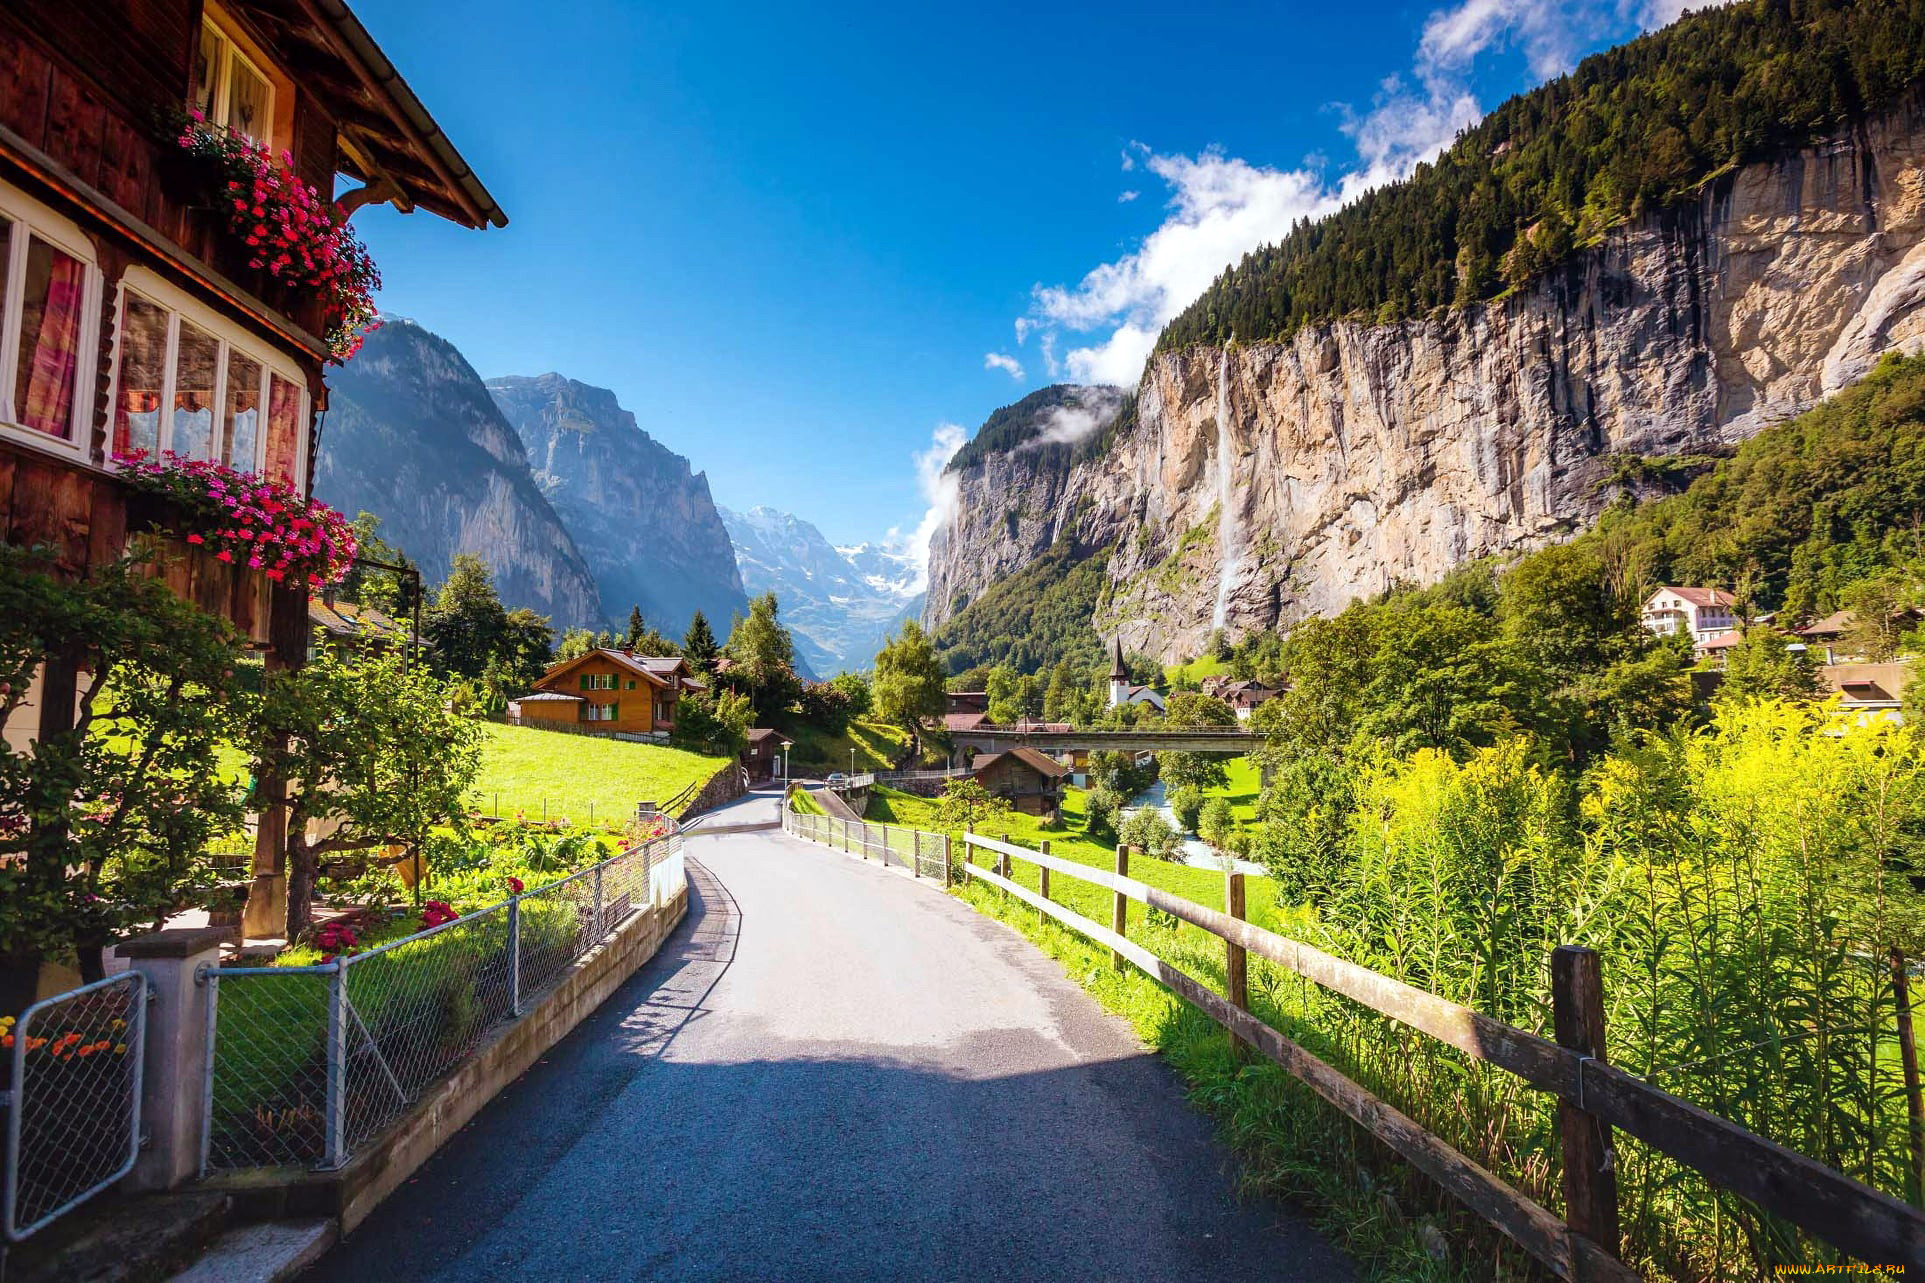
x=608, y=692
x=1867, y=688
x=1030, y=780
x=1244, y=697
x=762, y=757
x=1700, y=612
x=135, y=316
x=348, y=626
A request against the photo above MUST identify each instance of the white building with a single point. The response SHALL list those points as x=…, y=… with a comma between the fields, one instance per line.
x=1122, y=691
x=1703, y=613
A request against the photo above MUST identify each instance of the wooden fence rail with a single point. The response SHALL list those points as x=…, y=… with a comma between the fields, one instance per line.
x=1593, y=1096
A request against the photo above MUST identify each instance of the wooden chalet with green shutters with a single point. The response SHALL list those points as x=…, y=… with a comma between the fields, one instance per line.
x=608, y=692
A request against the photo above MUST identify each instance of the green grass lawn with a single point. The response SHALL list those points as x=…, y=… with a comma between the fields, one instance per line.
x=877, y=745
x=1195, y=670
x=1242, y=789
x=524, y=769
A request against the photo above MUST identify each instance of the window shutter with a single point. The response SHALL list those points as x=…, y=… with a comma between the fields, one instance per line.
x=584, y=681
x=615, y=710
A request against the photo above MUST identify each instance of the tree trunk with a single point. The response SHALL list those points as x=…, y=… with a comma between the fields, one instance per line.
x=302, y=869
x=19, y=986
x=92, y=959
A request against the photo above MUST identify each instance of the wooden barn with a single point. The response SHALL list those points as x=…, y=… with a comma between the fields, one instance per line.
x=1031, y=780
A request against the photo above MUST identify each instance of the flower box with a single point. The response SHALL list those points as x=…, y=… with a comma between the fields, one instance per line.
x=238, y=519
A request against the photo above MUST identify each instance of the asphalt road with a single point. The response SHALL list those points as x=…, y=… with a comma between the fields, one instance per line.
x=830, y=1072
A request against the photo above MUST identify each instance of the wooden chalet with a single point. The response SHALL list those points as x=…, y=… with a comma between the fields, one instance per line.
x=130, y=317
x=609, y=692
x=1031, y=780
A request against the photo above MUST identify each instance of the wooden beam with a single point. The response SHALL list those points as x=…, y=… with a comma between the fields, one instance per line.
x=1590, y=1171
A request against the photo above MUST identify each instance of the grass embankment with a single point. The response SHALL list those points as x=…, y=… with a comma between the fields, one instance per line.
x=877, y=746
x=1194, y=671
x=524, y=770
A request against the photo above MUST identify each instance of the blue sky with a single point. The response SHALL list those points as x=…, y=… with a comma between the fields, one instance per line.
x=791, y=238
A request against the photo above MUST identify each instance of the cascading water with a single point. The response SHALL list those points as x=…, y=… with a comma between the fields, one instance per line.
x=1226, y=516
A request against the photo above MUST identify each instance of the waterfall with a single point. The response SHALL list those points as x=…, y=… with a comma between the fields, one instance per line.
x=1226, y=518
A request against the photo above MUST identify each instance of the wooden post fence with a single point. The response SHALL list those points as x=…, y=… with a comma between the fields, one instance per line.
x=1120, y=908
x=1595, y=1098
x=1042, y=882
x=1236, y=959
x=1590, y=1169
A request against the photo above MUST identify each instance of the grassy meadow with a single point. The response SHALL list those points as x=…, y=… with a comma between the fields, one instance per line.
x=523, y=769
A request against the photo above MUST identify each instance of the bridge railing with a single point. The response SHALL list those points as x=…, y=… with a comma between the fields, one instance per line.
x=1593, y=1095
x=924, y=855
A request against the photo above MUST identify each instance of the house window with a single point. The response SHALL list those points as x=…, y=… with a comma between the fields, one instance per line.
x=48, y=293
x=225, y=396
x=600, y=712
x=230, y=87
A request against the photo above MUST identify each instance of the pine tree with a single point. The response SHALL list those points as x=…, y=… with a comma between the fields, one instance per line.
x=637, y=627
x=698, y=644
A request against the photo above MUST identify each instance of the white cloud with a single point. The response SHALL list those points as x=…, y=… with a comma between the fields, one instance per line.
x=938, y=491
x=1222, y=207
x=1124, y=198
x=1092, y=411
x=1005, y=362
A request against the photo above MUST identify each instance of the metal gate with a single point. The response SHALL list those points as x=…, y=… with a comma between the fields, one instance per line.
x=73, y=1114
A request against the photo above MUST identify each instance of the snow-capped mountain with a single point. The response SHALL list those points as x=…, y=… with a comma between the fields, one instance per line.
x=839, y=602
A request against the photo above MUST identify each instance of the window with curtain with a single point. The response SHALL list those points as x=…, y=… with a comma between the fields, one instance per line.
x=283, y=428
x=143, y=376
x=47, y=286
x=190, y=384
x=230, y=88
x=196, y=361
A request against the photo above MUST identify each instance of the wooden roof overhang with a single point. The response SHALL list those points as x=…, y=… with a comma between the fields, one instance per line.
x=388, y=140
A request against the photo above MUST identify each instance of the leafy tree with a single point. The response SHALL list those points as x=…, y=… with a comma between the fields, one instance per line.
x=826, y=705
x=575, y=643
x=698, y=644
x=1147, y=831
x=1013, y=696
x=388, y=591
x=908, y=684
x=1880, y=609
x=1196, y=771
x=966, y=804
x=855, y=688
x=1303, y=823
x=1217, y=823
x=1764, y=666
x=1101, y=806
x=1186, y=805
x=762, y=657
x=366, y=743
x=716, y=721
x=526, y=641
x=103, y=821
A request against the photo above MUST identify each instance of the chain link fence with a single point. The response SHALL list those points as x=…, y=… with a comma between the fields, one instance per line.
x=73, y=1116
x=924, y=855
x=310, y=1063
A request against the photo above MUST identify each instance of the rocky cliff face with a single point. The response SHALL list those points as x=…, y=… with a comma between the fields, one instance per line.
x=412, y=436
x=1256, y=485
x=641, y=516
x=838, y=602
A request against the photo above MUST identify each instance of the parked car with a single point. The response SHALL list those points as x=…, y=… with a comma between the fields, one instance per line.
x=836, y=778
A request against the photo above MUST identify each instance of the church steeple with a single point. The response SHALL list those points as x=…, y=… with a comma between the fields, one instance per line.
x=1119, y=673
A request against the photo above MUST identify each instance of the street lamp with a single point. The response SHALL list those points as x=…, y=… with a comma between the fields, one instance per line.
x=786, y=746
x=852, y=761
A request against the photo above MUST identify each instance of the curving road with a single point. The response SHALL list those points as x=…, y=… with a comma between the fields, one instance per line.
x=830, y=1072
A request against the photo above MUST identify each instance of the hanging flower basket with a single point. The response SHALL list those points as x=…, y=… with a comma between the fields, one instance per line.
x=289, y=230
x=245, y=519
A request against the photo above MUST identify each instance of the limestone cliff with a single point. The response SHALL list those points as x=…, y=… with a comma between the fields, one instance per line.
x=641, y=516
x=412, y=436
x=1253, y=486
